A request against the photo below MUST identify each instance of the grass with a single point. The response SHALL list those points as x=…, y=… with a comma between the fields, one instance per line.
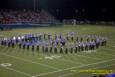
x=33, y=64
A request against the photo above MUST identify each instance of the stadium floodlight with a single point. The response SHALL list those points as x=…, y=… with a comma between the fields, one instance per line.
x=76, y=11
x=104, y=10
x=83, y=10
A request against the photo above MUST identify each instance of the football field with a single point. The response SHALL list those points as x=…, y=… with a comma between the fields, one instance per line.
x=15, y=62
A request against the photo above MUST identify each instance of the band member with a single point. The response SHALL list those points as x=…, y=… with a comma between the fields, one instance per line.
x=32, y=47
x=28, y=47
x=61, y=49
x=71, y=50
x=66, y=50
x=46, y=49
x=51, y=49
x=43, y=48
x=55, y=47
x=9, y=44
x=37, y=48
x=24, y=46
x=76, y=49
x=20, y=45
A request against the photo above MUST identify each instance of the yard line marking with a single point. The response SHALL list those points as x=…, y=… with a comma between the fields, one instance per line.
x=80, y=56
x=67, y=30
x=70, y=61
x=18, y=71
x=108, y=53
x=30, y=61
x=88, y=57
x=74, y=67
x=111, y=45
x=87, y=69
x=5, y=64
x=108, y=48
x=104, y=66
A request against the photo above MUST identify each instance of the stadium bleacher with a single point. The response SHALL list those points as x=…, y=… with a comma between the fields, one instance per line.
x=25, y=18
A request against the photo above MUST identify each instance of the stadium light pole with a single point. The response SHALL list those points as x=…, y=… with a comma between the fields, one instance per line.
x=83, y=13
x=37, y=5
x=76, y=11
x=34, y=4
x=103, y=11
x=57, y=12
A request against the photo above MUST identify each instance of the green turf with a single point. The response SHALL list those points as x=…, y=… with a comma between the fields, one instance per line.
x=27, y=64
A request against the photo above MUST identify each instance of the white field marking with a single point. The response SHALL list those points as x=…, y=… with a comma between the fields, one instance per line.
x=104, y=66
x=108, y=53
x=111, y=39
x=52, y=57
x=82, y=56
x=30, y=61
x=70, y=61
x=100, y=52
x=6, y=64
x=57, y=57
x=111, y=45
x=84, y=65
x=90, y=51
x=108, y=49
x=88, y=57
x=49, y=58
x=23, y=73
x=67, y=30
x=87, y=69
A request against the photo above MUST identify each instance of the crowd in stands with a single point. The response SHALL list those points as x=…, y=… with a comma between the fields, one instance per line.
x=24, y=16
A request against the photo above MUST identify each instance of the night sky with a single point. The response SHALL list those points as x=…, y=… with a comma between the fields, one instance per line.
x=79, y=9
